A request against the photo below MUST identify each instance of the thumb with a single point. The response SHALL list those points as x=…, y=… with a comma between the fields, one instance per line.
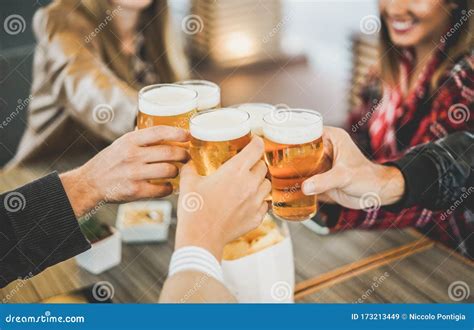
x=321, y=183
x=188, y=173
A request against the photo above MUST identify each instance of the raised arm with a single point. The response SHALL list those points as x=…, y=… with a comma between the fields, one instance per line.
x=213, y=211
x=38, y=226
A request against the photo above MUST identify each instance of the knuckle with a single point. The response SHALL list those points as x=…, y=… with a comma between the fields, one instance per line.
x=166, y=152
x=251, y=189
x=133, y=190
x=131, y=153
x=169, y=170
x=267, y=186
x=129, y=173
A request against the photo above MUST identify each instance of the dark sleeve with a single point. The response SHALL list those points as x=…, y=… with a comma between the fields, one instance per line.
x=438, y=174
x=38, y=229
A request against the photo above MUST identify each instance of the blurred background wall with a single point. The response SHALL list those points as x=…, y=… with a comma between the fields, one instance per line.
x=16, y=56
x=320, y=29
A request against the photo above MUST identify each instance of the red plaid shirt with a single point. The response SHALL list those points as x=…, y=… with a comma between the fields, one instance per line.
x=398, y=123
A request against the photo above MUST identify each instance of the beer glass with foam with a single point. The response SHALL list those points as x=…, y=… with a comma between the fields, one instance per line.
x=293, y=152
x=216, y=136
x=209, y=93
x=169, y=105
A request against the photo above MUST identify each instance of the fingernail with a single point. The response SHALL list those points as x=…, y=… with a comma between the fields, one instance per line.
x=308, y=188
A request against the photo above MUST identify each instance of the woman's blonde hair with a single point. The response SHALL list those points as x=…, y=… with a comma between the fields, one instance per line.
x=162, y=48
x=460, y=38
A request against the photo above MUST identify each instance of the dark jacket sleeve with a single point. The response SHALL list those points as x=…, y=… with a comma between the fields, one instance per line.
x=38, y=229
x=438, y=174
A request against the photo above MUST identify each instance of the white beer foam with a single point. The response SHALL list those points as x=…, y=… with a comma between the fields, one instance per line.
x=208, y=96
x=167, y=101
x=220, y=125
x=256, y=112
x=292, y=127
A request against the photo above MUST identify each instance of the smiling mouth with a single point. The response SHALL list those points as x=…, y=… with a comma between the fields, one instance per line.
x=402, y=26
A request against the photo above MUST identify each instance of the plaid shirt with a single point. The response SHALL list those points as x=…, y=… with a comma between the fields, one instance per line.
x=395, y=123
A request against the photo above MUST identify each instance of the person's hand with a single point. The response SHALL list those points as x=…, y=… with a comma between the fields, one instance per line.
x=352, y=176
x=122, y=171
x=216, y=209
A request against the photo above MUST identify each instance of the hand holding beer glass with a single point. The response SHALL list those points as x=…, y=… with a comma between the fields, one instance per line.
x=293, y=152
x=168, y=105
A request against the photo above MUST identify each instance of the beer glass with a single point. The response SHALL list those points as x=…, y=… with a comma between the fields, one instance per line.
x=216, y=136
x=293, y=152
x=209, y=93
x=256, y=112
x=169, y=105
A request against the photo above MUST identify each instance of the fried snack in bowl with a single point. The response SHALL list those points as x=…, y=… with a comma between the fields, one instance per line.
x=264, y=258
x=236, y=249
x=262, y=237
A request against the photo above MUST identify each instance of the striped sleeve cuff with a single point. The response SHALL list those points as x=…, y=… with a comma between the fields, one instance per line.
x=197, y=259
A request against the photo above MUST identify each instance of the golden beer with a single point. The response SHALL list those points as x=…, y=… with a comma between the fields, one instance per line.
x=293, y=152
x=216, y=136
x=169, y=105
x=256, y=112
x=209, y=93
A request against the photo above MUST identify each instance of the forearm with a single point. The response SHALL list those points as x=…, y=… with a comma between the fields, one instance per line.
x=38, y=229
x=81, y=193
x=194, y=287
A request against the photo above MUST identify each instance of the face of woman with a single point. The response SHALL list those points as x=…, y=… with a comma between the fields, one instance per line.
x=132, y=4
x=413, y=22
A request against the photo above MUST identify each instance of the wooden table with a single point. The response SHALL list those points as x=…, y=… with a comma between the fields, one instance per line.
x=343, y=267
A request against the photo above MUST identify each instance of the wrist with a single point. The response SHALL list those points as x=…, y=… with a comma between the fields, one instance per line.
x=199, y=239
x=193, y=258
x=392, y=184
x=82, y=195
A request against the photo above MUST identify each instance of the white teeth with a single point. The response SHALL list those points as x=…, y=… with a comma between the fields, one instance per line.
x=398, y=25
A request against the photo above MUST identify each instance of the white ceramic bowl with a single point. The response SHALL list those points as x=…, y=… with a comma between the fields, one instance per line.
x=145, y=232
